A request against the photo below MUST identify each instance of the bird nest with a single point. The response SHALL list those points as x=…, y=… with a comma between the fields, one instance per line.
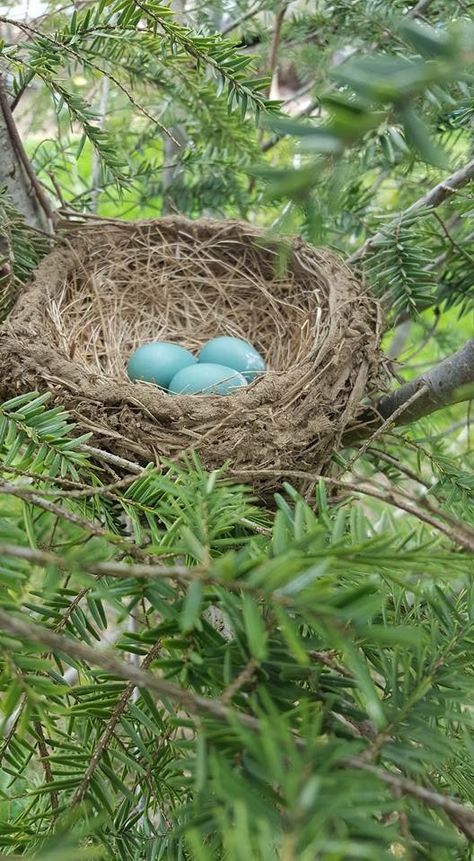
x=112, y=286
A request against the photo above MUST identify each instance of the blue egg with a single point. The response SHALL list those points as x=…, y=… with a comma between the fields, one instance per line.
x=206, y=379
x=234, y=353
x=158, y=362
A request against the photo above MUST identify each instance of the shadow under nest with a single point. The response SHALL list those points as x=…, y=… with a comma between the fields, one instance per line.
x=111, y=286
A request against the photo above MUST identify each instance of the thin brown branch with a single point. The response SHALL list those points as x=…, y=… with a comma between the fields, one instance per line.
x=275, y=43
x=459, y=813
x=329, y=659
x=44, y=754
x=71, y=607
x=101, y=569
x=85, y=492
x=455, y=246
x=417, y=10
x=441, y=258
x=30, y=496
x=121, y=570
x=460, y=533
x=401, y=467
x=243, y=18
x=392, y=419
x=104, y=740
x=86, y=61
x=193, y=703
x=242, y=679
x=73, y=487
x=89, y=526
x=433, y=198
x=305, y=112
x=113, y=459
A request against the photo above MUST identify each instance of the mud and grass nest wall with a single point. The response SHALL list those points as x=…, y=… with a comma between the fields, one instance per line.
x=113, y=286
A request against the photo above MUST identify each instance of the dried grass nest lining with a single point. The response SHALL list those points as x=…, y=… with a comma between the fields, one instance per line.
x=114, y=286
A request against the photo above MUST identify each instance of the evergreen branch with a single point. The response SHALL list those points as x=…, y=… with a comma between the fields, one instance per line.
x=83, y=491
x=433, y=198
x=462, y=815
x=243, y=678
x=394, y=417
x=146, y=572
x=32, y=497
x=193, y=703
x=44, y=754
x=459, y=533
x=243, y=18
x=86, y=61
x=127, y=546
x=196, y=704
x=401, y=467
x=438, y=261
x=215, y=52
x=113, y=459
x=398, y=268
x=21, y=249
x=41, y=434
x=106, y=736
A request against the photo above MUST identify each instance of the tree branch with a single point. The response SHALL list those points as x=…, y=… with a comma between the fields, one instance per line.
x=462, y=816
x=305, y=112
x=456, y=530
x=17, y=174
x=193, y=703
x=431, y=199
x=107, y=734
x=234, y=24
x=196, y=704
x=418, y=9
x=273, y=57
x=449, y=382
x=91, y=527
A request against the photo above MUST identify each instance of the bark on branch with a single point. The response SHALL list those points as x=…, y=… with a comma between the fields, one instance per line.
x=449, y=382
x=16, y=173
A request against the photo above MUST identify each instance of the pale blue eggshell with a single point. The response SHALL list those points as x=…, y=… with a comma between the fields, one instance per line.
x=234, y=353
x=158, y=362
x=206, y=379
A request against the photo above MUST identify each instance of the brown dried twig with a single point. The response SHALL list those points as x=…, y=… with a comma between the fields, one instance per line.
x=108, y=732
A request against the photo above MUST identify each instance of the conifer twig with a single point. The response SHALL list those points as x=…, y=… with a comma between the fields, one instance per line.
x=430, y=200
x=196, y=704
x=119, y=709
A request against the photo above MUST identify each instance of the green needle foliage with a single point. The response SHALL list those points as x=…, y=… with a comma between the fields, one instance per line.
x=188, y=673
x=315, y=653
x=21, y=249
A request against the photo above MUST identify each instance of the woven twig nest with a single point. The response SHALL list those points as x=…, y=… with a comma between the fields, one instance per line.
x=113, y=286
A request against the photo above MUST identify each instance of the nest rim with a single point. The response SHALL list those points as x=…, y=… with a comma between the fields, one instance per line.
x=197, y=418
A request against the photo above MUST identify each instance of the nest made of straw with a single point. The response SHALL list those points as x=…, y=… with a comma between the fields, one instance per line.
x=112, y=286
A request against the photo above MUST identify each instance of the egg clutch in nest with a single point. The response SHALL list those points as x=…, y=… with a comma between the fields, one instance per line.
x=112, y=286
